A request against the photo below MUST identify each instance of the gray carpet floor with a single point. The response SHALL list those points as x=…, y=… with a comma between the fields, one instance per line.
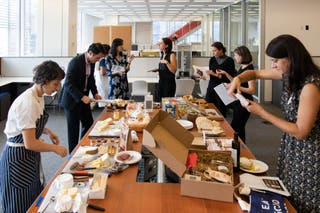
x=262, y=138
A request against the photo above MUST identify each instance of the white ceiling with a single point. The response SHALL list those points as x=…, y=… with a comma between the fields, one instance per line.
x=152, y=10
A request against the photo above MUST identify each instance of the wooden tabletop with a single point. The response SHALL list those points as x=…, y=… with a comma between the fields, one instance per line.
x=125, y=195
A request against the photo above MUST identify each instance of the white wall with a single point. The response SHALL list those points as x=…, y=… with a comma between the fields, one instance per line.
x=290, y=17
x=143, y=35
x=57, y=22
x=22, y=66
x=52, y=28
x=86, y=24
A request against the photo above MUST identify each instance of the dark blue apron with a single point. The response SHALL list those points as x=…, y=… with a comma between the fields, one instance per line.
x=20, y=172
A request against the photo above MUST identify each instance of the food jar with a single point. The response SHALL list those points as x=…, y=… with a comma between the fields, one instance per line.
x=192, y=116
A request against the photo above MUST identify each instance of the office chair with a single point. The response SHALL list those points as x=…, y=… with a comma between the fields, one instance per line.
x=184, y=87
x=139, y=88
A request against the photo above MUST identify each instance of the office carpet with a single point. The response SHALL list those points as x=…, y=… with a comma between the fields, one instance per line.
x=262, y=138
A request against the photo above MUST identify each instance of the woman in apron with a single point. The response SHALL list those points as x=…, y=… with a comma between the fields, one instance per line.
x=21, y=178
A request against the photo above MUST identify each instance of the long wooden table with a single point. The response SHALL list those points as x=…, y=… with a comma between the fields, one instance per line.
x=126, y=195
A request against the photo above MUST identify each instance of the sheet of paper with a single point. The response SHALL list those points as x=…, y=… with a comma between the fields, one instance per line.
x=272, y=184
x=222, y=91
x=117, y=68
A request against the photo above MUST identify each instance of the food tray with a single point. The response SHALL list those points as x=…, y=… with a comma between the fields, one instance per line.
x=111, y=131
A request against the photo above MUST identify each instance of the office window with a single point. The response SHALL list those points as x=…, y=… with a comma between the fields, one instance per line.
x=235, y=26
x=30, y=29
x=253, y=38
x=18, y=27
x=163, y=29
x=217, y=20
x=9, y=27
x=253, y=29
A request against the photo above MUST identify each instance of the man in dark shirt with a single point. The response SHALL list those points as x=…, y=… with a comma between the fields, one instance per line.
x=75, y=99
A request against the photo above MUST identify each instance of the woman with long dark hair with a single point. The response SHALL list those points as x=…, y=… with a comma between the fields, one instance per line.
x=167, y=69
x=299, y=154
x=240, y=114
x=117, y=67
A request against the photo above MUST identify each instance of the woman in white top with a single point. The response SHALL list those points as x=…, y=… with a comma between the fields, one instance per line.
x=101, y=77
x=20, y=178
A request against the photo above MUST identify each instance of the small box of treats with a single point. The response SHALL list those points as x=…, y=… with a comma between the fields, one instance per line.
x=204, y=174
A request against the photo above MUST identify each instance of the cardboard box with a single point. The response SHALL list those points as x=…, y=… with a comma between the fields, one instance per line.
x=170, y=142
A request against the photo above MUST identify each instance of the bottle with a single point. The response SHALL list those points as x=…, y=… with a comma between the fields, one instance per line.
x=236, y=152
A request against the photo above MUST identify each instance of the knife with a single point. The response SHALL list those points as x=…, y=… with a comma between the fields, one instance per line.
x=80, y=173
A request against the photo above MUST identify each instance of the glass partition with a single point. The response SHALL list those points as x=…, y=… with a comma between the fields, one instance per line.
x=217, y=24
x=253, y=37
x=235, y=26
x=253, y=29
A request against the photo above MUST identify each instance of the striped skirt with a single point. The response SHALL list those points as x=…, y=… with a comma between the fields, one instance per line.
x=19, y=179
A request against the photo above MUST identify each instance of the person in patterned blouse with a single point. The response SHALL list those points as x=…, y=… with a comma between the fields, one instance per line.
x=117, y=67
x=299, y=154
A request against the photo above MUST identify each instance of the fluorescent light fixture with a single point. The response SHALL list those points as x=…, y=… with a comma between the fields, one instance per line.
x=196, y=5
x=137, y=5
x=177, y=5
x=119, y=6
x=226, y=1
x=91, y=2
x=176, y=9
x=157, y=5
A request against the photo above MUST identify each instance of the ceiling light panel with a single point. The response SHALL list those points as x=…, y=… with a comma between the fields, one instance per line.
x=180, y=0
x=147, y=9
x=202, y=1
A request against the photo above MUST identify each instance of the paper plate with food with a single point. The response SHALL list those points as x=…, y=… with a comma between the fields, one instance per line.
x=128, y=157
x=105, y=128
x=252, y=165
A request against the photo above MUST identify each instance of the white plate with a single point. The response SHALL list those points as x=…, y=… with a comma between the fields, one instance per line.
x=102, y=101
x=136, y=156
x=263, y=167
x=186, y=124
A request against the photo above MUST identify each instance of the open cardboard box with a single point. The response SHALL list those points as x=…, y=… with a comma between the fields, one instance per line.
x=170, y=142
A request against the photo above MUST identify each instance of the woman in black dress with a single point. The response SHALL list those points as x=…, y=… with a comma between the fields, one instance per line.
x=241, y=115
x=167, y=69
x=219, y=61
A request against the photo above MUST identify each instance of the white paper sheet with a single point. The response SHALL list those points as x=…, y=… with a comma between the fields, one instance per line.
x=272, y=184
x=222, y=91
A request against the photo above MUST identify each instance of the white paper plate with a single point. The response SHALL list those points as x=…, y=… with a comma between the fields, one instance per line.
x=186, y=124
x=136, y=157
x=263, y=167
x=111, y=131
